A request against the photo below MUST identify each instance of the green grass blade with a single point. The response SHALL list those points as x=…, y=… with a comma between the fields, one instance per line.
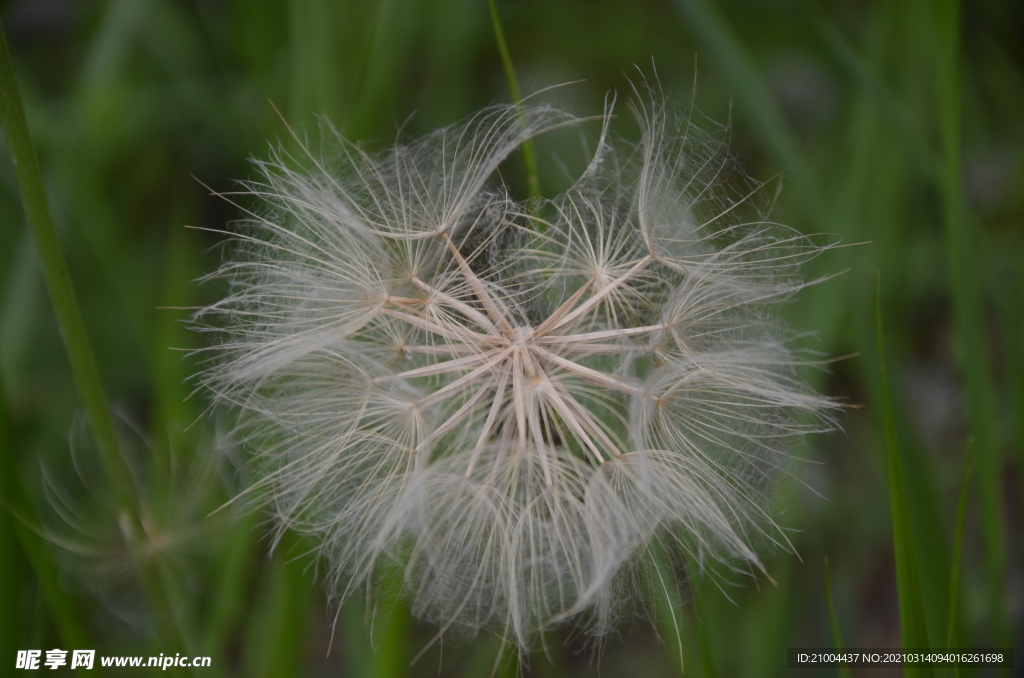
x=701, y=589
x=14, y=507
x=771, y=621
x=864, y=207
x=755, y=99
x=278, y=627
x=21, y=298
x=174, y=411
x=833, y=619
x=958, y=545
x=11, y=586
x=395, y=30
x=529, y=152
x=1012, y=311
x=874, y=88
x=377, y=629
x=58, y=281
x=707, y=659
x=913, y=627
x=232, y=581
x=760, y=110
x=315, y=67
x=981, y=411
x=72, y=328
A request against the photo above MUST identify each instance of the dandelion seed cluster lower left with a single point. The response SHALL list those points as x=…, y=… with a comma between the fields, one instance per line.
x=518, y=407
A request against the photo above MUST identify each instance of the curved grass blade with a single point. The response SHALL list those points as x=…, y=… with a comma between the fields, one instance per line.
x=76, y=341
x=837, y=634
x=529, y=152
x=13, y=504
x=958, y=545
x=981, y=410
x=913, y=627
x=58, y=281
x=763, y=111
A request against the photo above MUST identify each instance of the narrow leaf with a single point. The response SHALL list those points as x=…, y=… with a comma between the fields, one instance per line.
x=967, y=306
x=529, y=153
x=913, y=628
x=58, y=281
x=837, y=634
x=958, y=544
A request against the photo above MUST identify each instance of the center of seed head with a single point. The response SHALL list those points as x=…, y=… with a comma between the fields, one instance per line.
x=522, y=337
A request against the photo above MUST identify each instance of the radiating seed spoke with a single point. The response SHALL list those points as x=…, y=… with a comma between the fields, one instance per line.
x=569, y=417
x=518, y=397
x=464, y=380
x=600, y=349
x=533, y=417
x=458, y=416
x=441, y=349
x=454, y=333
x=461, y=306
x=594, y=300
x=560, y=312
x=492, y=415
x=588, y=374
x=478, y=286
x=446, y=366
x=587, y=421
x=586, y=337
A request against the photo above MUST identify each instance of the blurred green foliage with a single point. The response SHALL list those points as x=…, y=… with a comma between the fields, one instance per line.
x=896, y=124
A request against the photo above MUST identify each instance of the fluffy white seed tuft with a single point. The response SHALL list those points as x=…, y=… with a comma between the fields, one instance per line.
x=515, y=409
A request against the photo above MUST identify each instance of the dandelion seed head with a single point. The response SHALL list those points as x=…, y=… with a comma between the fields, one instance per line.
x=515, y=405
x=108, y=554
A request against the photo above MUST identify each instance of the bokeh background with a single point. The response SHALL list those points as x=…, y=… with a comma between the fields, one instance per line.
x=894, y=124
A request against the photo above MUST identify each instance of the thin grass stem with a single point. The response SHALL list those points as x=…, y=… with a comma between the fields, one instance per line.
x=15, y=504
x=913, y=627
x=837, y=634
x=72, y=329
x=58, y=281
x=969, y=322
x=958, y=546
x=529, y=152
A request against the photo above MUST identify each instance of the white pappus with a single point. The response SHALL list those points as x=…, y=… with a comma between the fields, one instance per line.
x=519, y=406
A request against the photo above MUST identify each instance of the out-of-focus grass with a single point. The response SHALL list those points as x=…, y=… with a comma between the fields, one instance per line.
x=160, y=597
x=528, y=150
x=58, y=282
x=23, y=546
x=833, y=621
x=958, y=545
x=913, y=623
x=891, y=125
x=961, y=247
